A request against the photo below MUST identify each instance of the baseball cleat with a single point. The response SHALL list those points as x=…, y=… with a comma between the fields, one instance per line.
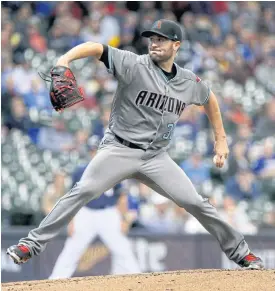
x=251, y=262
x=19, y=253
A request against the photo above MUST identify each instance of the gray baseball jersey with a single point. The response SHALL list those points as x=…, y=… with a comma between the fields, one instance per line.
x=147, y=105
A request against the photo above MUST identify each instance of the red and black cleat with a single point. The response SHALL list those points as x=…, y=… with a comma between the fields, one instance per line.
x=251, y=262
x=19, y=253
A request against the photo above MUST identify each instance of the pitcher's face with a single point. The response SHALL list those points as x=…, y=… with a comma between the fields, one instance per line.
x=161, y=48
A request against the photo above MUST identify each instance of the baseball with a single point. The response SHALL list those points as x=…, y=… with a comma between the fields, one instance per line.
x=215, y=159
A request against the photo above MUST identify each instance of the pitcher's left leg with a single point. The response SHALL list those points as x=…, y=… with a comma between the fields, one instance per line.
x=170, y=180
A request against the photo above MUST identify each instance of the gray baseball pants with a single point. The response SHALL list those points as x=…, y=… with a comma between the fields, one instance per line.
x=115, y=162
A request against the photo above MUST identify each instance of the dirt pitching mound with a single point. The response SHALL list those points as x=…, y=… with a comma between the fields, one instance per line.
x=195, y=280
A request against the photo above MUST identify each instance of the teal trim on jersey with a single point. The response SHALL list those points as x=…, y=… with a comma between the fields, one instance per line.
x=161, y=72
x=171, y=79
x=166, y=79
x=169, y=133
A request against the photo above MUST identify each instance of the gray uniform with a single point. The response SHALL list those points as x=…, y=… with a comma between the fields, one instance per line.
x=145, y=110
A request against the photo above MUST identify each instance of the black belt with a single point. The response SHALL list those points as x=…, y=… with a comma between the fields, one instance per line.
x=127, y=143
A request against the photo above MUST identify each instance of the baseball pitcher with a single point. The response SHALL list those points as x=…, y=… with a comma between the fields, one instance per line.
x=152, y=93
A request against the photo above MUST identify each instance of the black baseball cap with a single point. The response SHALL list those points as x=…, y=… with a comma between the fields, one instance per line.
x=165, y=28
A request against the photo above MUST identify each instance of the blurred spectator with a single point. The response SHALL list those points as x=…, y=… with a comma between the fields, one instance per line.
x=197, y=169
x=38, y=96
x=9, y=40
x=58, y=40
x=265, y=164
x=148, y=14
x=243, y=186
x=251, y=15
x=221, y=61
x=230, y=44
x=235, y=116
x=187, y=126
x=238, y=158
x=102, y=123
x=238, y=70
x=268, y=21
x=109, y=26
x=128, y=33
x=8, y=92
x=265, y=72
x=169, y=15
x=67, y=15
x=204, y=28
x=221, y=12
x=216, y=36
x=53, y=192
x=18, y=117
x=244, y=132
x=5, y=15
x=22, y=18
x=75, y=35
x=91, y=31
x=22, y=76
x=44, y=9
x=265, y=125
x=244, y=48
x=55, y=138
x=80, y=143
x=188, y=23
x=264, y=167
x=64, y=33
x=236, y=216
x=268, y=220
x=157, y=216
x=36, y=41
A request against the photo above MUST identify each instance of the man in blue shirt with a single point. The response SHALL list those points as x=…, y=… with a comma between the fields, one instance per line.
x=243, y=186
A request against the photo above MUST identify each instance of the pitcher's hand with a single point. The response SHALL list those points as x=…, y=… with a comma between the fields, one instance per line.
x=222, y=151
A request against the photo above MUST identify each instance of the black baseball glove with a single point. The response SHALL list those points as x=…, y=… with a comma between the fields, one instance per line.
x=63, y=91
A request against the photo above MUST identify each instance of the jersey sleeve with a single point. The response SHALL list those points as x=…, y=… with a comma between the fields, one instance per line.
x=199, y=91
x=121, y=64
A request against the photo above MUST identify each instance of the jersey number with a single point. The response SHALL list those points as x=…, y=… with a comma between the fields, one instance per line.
x=169, y=133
